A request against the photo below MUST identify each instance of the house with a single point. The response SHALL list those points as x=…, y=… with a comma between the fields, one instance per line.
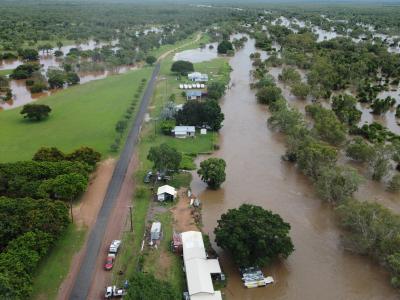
x=193, y=95
x=184, y=131
x=198, y=268
x=155, y=231
x=166, y=192
x=198, y=77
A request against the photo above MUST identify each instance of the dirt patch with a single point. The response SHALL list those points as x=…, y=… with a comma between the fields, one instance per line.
x=85, y=213
x=183, y=213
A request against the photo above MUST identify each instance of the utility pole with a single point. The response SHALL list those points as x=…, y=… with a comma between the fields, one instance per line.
x=130, y=214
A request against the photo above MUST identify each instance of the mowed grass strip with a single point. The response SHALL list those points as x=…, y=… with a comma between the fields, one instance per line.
x=81, y=115
x=53, y=269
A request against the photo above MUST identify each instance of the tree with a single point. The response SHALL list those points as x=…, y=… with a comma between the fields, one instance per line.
x=182, y=67
x=59, y=44
x=224, y=47
x=290, y=75
x=121, y=126
x=35, y=112
x=38, y=87
x=151, y=59
x=215, y=90
x=345, y=109
x=72, y=78
x=380, y=163
x=337, y=184
x=196, y=113
x=146, y=286
x=56, y=78
x=167, y=126
x=301, y=90
x=29, y=54
x=168, y=112
x=359, y=150
x=253, y=236
x=212, y=172
x=24, y=71
x=269, y=94
x=164, y=158
x=394, y=184
x=68, y=186
x=85, y=155
x=49, y=154
x=58, y=53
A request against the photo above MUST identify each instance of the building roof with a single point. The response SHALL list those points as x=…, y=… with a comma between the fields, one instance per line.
x=166, y=189
x=199, y=268
x=193, y=93
x=184, y=129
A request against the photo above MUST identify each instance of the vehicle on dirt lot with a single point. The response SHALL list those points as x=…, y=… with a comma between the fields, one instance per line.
x=114, y=246
x=108, y=265
x=114, y=292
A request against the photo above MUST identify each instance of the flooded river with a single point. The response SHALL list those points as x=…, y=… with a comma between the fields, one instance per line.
x=319, y=268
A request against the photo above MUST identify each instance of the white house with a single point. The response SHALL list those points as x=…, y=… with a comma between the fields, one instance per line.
x=166, y=192
x=198, y=268
x=184, y=131
x=198, y=77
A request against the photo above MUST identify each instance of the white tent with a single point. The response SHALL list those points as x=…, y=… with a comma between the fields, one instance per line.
x=198, y=268
x=166, y=191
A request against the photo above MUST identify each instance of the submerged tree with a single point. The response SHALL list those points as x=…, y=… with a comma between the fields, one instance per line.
x=253, y=236
x=212, y=171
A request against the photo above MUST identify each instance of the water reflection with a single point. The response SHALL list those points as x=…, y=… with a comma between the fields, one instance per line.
x=209, y=52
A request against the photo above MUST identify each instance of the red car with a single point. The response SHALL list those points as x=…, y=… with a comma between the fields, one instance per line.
x=109, y=262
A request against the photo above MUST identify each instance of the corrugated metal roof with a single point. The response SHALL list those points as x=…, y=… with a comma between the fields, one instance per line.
x=166, y=189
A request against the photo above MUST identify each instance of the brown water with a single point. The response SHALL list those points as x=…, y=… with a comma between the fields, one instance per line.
x=319, y=268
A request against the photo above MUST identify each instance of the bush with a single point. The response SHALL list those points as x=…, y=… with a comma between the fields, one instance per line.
x=394, y=184
x=35, y=112
x=167, y=126
x=359, y=150
x=269, y=94
x=224, y=47
x=38, y=87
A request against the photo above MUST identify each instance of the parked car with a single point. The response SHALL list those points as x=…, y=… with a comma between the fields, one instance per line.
x=108, y=265
x=147, y=177
x=113, y=291
x=114, y=246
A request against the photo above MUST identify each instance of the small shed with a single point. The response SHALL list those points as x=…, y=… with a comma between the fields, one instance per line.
x=155, y=231
x=193, y=95
x=184, y=131
x=181, y=86
x=166, y=192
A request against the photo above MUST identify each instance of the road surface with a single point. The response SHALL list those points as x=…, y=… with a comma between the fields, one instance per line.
x=83, y=281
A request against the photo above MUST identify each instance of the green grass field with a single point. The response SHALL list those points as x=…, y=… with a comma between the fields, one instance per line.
x=5, y=72
x=81, y=115
x=53, y=269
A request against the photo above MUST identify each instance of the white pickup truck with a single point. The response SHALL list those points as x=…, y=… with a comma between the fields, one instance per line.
x=113, y=291
x=114, y=246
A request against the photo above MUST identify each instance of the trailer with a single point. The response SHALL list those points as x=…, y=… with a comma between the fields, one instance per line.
x=253, y=277
x=114, y=292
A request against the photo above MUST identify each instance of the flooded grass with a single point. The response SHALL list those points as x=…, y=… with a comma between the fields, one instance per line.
x=81, y=115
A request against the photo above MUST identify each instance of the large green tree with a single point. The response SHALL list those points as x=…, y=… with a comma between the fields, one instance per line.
x=35, y=112
x=164, y=157
x=182, y=67
x=212, y=171
x=253, y=236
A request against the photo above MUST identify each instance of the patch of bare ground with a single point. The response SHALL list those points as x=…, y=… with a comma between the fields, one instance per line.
x=184, y=214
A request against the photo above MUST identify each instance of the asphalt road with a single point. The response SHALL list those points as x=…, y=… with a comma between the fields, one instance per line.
x=83, y=281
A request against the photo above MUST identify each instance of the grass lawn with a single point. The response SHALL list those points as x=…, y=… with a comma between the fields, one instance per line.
x=5, y=72
x=81, y=115
x=53, y=269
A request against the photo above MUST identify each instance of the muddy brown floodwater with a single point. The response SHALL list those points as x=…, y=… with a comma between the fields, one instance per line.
x=319, y=268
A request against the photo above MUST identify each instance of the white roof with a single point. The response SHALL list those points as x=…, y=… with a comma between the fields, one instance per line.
x=199, y=268
x=184, y=129
x=166, y=189
x=156, y=227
